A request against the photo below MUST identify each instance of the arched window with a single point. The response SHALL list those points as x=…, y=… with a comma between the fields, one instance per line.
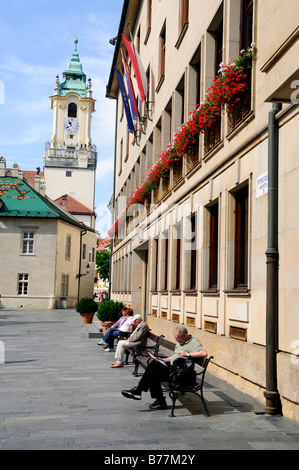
x=72, y=110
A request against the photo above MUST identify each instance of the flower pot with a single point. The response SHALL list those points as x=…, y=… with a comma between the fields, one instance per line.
x=106, y=325
x=87, y=317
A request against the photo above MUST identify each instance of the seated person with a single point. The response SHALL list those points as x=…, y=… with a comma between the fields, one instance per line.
x=123, y=326
x=137, y=338
x=155, y=373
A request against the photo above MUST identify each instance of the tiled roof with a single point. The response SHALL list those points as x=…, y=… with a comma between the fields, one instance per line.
x=29, y=175
x=19, y=199
x=72, y=205
x=103, y=243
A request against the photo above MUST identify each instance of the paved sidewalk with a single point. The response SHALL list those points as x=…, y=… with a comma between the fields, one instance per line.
x=58, y=391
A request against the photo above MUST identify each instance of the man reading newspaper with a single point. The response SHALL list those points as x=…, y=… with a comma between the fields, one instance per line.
x=158, y=370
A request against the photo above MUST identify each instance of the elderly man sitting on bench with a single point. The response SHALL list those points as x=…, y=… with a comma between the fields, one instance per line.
x=137, y=338
x=158, y=370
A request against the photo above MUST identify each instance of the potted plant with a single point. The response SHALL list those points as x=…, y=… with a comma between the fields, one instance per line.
x=87, y=308
x=109, y=312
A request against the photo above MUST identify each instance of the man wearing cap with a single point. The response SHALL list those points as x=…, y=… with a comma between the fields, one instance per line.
x=137, y=338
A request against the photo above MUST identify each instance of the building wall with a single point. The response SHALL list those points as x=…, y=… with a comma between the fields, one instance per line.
x=231, y=323
x=46, y=265
x=57, y=183
x=40, y=265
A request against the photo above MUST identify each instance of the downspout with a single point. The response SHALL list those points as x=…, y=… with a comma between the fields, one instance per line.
x=272, y=255
x=83, y=232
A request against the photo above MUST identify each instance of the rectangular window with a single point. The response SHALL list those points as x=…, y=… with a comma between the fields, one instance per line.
x=23, y=281
x=84, y=251
x=28, y=242
x=177, y=256
x=193, y=253
x=68, y=174
x=246, y=24
x=213, y=246
x=165, y=263
x=68, y=247
x=241, y=239
x=218, y=47
x=184, y=12
x=155, y=263
x=64, y=285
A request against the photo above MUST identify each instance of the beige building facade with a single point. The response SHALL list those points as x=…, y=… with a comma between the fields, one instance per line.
x=48, y=256
x=195, y=253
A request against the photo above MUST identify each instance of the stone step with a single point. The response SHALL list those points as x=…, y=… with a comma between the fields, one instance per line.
x=94, y=329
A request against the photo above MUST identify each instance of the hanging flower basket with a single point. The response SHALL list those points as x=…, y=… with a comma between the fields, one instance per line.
x=226, y=91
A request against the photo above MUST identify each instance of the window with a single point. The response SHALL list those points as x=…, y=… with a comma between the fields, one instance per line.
x=72, y=110
x=213, y=246
x=164, y=262
x=241, y=239
x=84, y=251
x=68, y=247
x=218, y=47
x=191, y=252
x=162, y=55
x=184, y=13
x=64, y=285
x=28, y=242
x=155, y=263
x=246, y=24
x=23, y=280
x=177, y=256
x=68, y=174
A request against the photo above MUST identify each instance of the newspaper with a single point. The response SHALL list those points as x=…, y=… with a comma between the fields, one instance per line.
x=157, y=359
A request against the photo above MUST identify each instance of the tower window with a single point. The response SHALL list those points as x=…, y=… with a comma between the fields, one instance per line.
x=72, y=110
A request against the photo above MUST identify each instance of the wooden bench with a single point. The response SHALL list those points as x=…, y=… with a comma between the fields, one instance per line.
x=141, y=357
x=175, y=391
x=140, y=353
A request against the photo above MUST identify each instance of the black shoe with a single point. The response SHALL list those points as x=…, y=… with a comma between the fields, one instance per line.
x=134, y=393
x=159, y=404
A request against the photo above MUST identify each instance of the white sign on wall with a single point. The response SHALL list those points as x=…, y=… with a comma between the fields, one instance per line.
x=262, y=184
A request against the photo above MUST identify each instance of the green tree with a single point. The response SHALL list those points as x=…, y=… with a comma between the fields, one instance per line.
x=103, y=263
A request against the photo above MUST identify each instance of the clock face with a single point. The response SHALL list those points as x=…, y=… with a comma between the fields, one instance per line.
x=71, y=125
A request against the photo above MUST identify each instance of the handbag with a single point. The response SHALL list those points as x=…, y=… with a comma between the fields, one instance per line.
x=182, y=373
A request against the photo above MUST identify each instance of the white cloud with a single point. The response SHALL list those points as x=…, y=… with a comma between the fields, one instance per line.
x=105, y=168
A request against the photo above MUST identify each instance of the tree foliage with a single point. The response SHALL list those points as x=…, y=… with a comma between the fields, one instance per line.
x=103, y=263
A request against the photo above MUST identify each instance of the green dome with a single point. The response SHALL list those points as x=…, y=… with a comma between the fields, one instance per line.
x=74, y=79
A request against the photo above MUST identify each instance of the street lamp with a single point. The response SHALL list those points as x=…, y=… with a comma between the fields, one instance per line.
x=87, y=272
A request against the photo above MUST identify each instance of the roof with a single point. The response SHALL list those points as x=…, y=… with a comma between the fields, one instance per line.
x=72, y=205
x=20, y=199
x=74, y=79
x=103, y=243
x=29, y=175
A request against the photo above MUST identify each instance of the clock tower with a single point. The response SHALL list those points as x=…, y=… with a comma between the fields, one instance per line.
x=70, y=159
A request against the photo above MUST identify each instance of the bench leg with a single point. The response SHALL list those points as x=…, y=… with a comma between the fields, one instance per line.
x=135, y=372
x=174, y=396
x=204, y=403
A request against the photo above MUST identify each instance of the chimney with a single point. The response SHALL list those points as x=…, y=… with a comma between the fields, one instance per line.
x=63, y=201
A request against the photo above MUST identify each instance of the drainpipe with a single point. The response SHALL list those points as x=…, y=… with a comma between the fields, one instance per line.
x=82, y=233
x=271, y=393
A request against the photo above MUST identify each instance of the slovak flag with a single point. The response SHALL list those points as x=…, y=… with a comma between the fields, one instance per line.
x=125, y=100
x=138, y=68
x=134, y=108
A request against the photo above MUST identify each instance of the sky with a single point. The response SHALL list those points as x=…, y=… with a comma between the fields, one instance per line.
x=36, y=44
